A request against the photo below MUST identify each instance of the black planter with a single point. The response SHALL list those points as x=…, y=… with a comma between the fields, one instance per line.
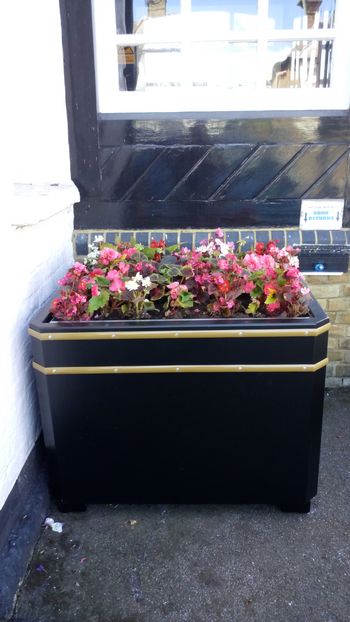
x=214, y=411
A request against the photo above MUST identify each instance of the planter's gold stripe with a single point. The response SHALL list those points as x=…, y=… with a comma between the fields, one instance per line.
x=173, y=369
x=180, y=334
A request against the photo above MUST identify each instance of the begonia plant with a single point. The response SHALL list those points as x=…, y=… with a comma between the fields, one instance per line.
x=217, y=279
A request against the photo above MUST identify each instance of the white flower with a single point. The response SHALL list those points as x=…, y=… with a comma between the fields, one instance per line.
x=224, y=248
x=202, y=249
x=294, y=261
x=138, y=281
x=98, y=238
x=132, y=284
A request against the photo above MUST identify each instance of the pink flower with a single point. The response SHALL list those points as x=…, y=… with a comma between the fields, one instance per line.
x=293, y=273
x=107, y=255
x=117, y=285
x=95, y=291
x=82, y=285
x=77, y=298
x=254, y=262
x=269, y=289
x=219, y=233
x=123, y=267
x=218, y=279
x=223, y=264
x=248, y=287
x=79, y=268
x=97, y=272
x=176, y=289
x=65, y=279
x=273, y=306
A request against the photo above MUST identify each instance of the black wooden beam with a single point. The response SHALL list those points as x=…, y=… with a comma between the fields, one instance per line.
x=78, y=54
x=279, y=129
x=95, y=214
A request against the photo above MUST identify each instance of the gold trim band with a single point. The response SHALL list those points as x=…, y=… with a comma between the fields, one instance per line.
x=179, y=334
x=172, y=369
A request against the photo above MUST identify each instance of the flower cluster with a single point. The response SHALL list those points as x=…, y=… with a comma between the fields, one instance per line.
x=214, y=280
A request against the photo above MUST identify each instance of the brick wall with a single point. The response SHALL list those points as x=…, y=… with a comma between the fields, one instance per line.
x=333, y=293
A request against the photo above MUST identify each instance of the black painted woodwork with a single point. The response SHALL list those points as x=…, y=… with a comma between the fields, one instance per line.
x=198, y=169
x=187, y=437
x=79, y=72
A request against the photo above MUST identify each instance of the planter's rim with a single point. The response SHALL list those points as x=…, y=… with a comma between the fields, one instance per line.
x=42, y=323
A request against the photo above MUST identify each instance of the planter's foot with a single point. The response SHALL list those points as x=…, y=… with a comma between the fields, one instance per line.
x=70, y=506
x=301, y=508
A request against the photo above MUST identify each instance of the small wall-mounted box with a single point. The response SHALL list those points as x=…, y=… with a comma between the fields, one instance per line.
x=324, y=259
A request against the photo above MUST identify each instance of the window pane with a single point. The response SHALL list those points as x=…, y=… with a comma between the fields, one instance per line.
x=222, y=65
x=149, y=66
x=303, y=14
x=237, y=14
x=134, y=16
x=211, y=65
x=299, y=64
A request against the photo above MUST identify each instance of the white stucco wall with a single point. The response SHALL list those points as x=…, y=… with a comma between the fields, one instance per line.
x=36, y=218
x=38, y=97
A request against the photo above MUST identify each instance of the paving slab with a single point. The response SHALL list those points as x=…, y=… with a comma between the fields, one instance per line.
x=204, y=563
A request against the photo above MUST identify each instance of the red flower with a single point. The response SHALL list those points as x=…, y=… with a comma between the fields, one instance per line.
x=260, y=248
x=271, y=246
x=224, y=287
x=157, y=244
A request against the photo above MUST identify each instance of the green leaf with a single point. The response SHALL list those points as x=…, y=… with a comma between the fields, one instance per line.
x=185, y=300
x=157, y=293
x=168, y=260
x=101, y=280
x=149, y=306
x=149, y=252
x=186, y=271
x=270, y=299
x=170, y=270
x=139, y=247
x=172, y=249
x=97, y=302
x=252, y=307
x=159, y=278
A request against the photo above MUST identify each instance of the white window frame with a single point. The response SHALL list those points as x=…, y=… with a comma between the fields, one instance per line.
x=110, y=100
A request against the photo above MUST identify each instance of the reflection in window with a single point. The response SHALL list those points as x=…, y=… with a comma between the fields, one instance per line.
x=203, y=54
x=132, y=14
x=302, y=64
x=223, y=65
x=150, y=66
x=303, y=14
x=238, y=14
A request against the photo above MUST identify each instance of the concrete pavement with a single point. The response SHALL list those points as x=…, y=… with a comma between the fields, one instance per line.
x=203, y=563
